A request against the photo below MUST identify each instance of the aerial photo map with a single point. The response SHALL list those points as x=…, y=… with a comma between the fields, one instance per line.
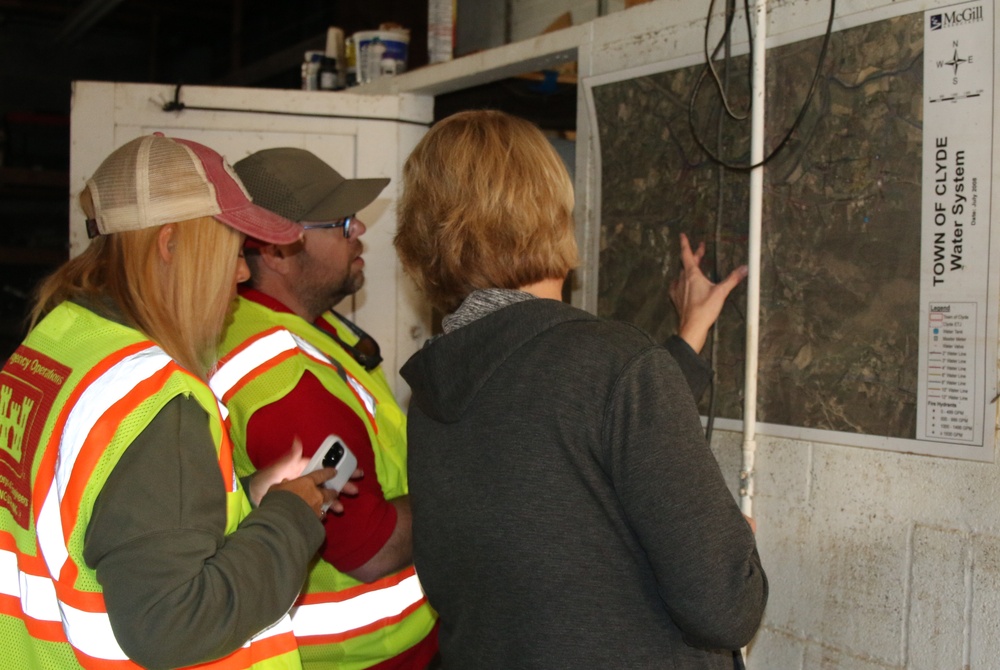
x=840, y=266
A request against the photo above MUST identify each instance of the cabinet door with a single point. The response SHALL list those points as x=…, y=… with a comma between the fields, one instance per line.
x=359, y=135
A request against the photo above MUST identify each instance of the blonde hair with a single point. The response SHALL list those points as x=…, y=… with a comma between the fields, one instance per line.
x=181, y=305
x=486, y=203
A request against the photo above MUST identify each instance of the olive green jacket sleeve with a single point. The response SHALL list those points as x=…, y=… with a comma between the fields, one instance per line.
x=178, y=590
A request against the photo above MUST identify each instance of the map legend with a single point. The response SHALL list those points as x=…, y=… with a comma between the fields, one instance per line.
x=951, y=372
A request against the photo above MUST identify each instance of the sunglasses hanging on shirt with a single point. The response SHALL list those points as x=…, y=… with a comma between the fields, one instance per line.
x=365, y=351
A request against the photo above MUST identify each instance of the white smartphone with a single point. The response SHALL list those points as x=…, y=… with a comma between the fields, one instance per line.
x=333, y=453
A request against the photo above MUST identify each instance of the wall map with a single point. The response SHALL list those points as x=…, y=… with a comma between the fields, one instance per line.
x=840, y=269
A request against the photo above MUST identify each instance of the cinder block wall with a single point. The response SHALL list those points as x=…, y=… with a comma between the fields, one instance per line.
x=876, y=559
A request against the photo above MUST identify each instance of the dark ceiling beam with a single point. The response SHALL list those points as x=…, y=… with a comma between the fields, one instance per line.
x=83, y=19
x=274, y=64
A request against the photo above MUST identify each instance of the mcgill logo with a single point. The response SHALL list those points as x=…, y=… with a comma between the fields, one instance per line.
x=949, y=19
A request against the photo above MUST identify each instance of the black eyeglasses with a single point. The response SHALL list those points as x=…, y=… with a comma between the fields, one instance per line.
x=344, y=223
x=365, y=351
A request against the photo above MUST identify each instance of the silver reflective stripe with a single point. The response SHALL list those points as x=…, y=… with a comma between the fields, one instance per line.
x=95, y=400
x=37, y=594
x=91, y=633
x=357, y=612
x=271, y=346
x=367, y=398
x=310, y=349
x=279, y=627
x=239, y=366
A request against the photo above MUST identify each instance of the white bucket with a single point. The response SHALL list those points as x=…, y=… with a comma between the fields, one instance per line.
x=380, y=53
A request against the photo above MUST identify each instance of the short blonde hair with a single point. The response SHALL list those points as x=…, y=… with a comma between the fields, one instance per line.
x=486, y=203
x=181, y=305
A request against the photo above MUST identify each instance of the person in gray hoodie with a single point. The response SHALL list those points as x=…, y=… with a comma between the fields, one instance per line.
x=567, y=511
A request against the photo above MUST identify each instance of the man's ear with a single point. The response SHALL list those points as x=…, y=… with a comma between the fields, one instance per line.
x=165, y=242
x=277, y=257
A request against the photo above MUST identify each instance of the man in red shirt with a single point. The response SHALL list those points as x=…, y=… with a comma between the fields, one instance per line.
x=292, y=368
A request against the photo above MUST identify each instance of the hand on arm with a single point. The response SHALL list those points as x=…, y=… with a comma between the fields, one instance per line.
x=698, y=301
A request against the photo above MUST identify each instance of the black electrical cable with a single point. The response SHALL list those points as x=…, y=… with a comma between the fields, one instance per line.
x=176, y=105
x=726, y=40
x=802, y=111
x=720, y=185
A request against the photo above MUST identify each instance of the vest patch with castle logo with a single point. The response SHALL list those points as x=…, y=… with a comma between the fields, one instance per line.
x=29, y=384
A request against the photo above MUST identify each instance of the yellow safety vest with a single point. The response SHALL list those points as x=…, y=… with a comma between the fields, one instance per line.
x=338, y=621
x=73, y=397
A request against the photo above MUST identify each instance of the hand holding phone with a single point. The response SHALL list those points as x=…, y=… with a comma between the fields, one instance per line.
x=333, y=453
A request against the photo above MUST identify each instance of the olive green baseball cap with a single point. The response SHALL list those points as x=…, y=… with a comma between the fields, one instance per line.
x=297, y=185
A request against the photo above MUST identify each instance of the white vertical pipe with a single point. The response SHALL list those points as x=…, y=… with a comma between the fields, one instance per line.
x=753, y=257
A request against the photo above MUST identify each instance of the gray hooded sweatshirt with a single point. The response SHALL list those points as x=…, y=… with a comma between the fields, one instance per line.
x=567, y=511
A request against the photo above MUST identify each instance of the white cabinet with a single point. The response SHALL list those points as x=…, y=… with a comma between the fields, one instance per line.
x=360, y=135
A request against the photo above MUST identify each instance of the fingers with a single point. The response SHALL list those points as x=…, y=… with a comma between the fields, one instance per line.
x=318, y=477
x=734, y=278
x=691, y=259
x=698, y=255
x=350, y=488
x=331, y=502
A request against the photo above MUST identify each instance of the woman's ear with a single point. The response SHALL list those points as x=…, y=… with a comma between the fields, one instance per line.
x=165, y=242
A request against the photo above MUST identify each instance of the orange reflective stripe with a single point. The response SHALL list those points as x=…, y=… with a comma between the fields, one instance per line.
x=259, y=652
x=34, y=565
x=355, y=591
x=91, y=663
x=50, y=631
x=241, y=659
x=84, y=601
x=226, y=467
x=47, y=468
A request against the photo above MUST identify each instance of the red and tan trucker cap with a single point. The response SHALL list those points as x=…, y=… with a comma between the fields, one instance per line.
x=154, y=180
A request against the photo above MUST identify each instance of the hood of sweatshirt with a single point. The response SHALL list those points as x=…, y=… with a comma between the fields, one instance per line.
x=447, y=374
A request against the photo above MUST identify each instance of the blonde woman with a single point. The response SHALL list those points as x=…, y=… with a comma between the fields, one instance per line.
x=567, y=512
x=125, y=538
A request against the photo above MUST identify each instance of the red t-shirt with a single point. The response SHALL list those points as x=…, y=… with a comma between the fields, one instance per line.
x=310, y=413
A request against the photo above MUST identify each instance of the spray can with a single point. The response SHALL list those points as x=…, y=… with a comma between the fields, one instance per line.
x=350, y=62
